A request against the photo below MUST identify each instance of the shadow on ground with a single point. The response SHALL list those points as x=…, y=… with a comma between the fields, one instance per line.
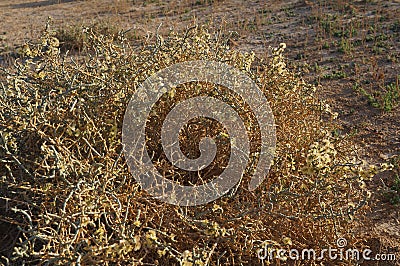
x=40, y=4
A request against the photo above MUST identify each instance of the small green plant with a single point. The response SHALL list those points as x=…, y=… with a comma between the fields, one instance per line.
x=345, y=46
x=393, y=194
x=391, y=98
x=371, y=99
x=335, y=75
x=329, y=24
x=386, y=100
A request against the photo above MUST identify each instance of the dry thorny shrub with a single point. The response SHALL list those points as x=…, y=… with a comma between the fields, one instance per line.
x=66, y=186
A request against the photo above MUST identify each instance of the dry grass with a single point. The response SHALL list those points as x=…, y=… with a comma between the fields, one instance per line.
x=72, y=200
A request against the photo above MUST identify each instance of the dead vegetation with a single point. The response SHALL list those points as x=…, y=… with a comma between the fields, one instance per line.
x=67, y=196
